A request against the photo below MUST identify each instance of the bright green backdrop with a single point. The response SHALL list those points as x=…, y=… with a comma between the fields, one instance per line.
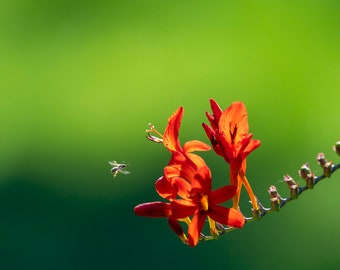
x=80, y=81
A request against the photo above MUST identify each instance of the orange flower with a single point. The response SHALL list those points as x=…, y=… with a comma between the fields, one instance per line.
x=230, y=139
x=203, y=203
x=186, y=183
x=183, y=163
x=172, y=143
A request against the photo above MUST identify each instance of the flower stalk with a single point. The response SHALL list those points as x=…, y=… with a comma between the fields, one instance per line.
x=186, y=182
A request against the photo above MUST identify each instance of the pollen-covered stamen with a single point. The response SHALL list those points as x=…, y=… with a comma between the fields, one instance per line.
x=151, y=137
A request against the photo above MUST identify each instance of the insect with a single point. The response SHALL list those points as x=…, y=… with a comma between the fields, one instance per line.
x=118, y=168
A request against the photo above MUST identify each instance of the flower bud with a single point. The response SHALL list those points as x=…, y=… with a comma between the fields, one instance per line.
x=306, y=174
x=275, y=198
x=153, y=209
x=321, y=159
x=258, y=213
x=327, y=169
x=325, y=164
x=336, y=147
x=178, y=230
x=304, y=171
x=293, y=186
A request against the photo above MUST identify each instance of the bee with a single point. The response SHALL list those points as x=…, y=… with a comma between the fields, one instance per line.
x=118, y=168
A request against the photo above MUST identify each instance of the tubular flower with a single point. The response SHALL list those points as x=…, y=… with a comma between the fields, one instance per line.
x=183, y=163
x=170, y=139
x=230, y=139
x=203, y=203
x=186, y=183
x=159, y=210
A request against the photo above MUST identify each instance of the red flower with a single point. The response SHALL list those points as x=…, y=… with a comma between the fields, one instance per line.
x=171, y=140
x=230, y=139
x=202, y=203
x=159, y=210
x=183, y=163
x=186, y=183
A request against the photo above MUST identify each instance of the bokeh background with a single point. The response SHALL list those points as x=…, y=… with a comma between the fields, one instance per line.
x=80, y=81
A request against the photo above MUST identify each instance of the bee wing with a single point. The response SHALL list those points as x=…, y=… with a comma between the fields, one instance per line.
x=113, y=163
x=124, y=172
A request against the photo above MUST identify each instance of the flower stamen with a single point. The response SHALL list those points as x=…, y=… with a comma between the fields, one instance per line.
x=154, y=138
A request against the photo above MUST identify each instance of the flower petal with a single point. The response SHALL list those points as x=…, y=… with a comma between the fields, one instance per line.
x=226, y=216
x=153, y=209
x=252, y=145
x=202, y=180
x=182, y=209
x=165, y=189
x=233, y=123
x=216, y=110
x=171, y=171
x=182, y=186
x=222, y=194
x=209, y=131
x=195, y=145
x=170, y=139
x=175, y=226
x=196, y=227
x=196, y=160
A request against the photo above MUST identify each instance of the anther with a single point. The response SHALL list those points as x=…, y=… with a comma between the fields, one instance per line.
x=151, y=137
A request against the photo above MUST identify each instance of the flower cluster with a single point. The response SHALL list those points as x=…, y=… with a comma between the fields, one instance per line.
x=186, y=182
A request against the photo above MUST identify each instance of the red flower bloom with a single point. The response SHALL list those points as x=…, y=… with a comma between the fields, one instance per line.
x=159, y=210
x=202, y=203
x=186, y=183
x=183, y=164
x=171, y=141
x=230, y=139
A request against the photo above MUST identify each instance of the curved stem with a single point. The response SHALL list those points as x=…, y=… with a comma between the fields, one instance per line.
x=263, y=210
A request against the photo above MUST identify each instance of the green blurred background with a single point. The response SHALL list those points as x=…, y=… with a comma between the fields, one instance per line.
x=80, y=81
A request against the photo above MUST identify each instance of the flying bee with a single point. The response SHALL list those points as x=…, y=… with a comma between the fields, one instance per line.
x=118, y=168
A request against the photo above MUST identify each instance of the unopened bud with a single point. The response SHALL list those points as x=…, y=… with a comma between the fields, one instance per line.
x=305, y=171
x=327, y=169
x=321, y=159
x=306, y=174
x=336, y=147
x=273, y=192
x=293, y=186
x=275, y=198
x=153, y=209
x=325, y=164
x=177, y=229
x=258, y=213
